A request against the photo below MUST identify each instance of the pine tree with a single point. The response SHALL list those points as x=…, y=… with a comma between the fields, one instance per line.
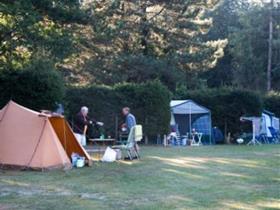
x=161, y=30
x=30, y=27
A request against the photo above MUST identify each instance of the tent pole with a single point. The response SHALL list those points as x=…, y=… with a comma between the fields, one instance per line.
x=116, y=127
x=190, y=118
x=210, y=128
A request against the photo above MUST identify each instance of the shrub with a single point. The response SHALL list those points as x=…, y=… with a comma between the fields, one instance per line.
x=38, y=86
x=149, y=102
x=272, y=103
x=102, y=103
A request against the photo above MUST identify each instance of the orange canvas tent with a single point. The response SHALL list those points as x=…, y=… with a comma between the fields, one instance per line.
x=29, y=139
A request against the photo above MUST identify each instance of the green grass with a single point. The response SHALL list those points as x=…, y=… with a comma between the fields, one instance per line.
x=217, y=177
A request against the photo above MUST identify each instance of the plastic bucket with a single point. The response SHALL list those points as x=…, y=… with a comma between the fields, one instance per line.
x=80, y=163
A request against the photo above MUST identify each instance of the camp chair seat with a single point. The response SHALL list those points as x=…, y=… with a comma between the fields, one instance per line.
x=130, y=151
x=122, y=139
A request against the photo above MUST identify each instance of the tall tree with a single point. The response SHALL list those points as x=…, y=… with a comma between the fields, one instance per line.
x=249, y=46
x=162, y=31
x=29, y=27
x=270, y=39
x=225, y=21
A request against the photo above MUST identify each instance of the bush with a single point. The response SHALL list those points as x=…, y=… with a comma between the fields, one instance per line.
x=37, y=87
x=226, y=105
x=272, y=103
x=102, y=103
x=149, y=102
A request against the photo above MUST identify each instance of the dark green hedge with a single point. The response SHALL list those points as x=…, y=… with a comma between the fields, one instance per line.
x=149, y=102
x=226, y=105
x=38, y=86
x=272, y=103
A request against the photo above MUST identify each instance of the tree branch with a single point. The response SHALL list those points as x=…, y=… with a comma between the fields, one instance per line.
x=157, y=14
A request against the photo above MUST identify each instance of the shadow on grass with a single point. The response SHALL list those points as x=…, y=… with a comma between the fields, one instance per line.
x=165, y=178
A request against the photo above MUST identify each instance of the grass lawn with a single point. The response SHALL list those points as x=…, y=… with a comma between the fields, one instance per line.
x=210, y=177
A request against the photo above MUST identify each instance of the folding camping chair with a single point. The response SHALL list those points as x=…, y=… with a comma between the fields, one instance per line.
x=262, y=138
x=135, y=135
x=275, y=135
x=174, y=138
x=178, y=136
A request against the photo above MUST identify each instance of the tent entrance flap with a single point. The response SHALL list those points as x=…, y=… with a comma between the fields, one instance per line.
x=67, y=138
x=187, y=122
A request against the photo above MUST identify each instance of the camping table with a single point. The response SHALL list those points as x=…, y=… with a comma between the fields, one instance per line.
x=194, y=142
x=103, y=141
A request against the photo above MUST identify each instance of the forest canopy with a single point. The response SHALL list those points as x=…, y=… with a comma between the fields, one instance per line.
x=109, y=41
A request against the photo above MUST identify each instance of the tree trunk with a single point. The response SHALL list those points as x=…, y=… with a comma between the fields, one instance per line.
x=268, y=74
x=146, y=139
x=116, y=127
x=225, y=131
x=145, y=29
x=164, y=141
x=228, y=138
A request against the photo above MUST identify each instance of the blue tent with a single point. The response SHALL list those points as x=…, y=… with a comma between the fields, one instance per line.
x=188, y=115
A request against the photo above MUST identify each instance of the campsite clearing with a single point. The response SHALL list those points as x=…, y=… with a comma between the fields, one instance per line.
x=210, y=177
